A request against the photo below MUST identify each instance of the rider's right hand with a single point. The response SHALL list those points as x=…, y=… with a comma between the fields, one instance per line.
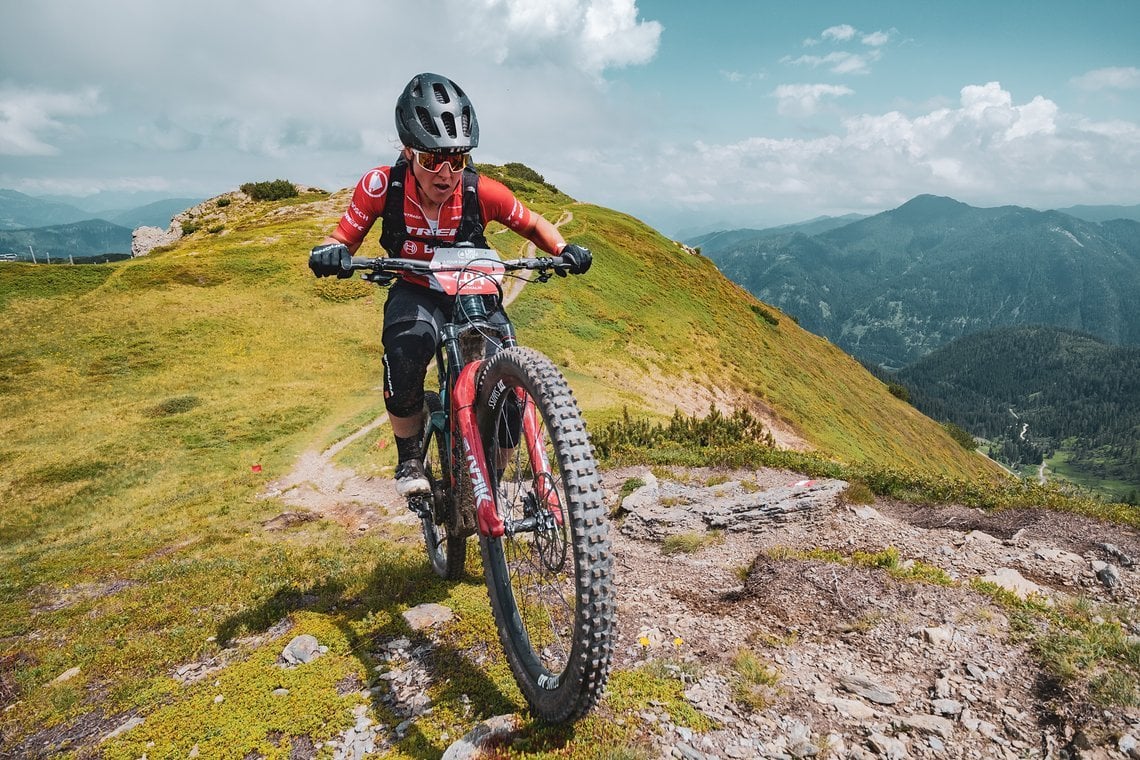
x=329, y=259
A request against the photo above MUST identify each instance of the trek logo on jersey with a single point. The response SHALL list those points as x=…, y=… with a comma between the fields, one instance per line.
x=442, y=232
x=409, y=248
x=374, y=183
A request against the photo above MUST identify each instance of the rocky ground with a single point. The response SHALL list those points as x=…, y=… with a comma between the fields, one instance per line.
x=865, y=664
x=854, y=661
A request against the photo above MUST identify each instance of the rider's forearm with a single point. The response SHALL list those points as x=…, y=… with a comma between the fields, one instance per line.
x=545, y=236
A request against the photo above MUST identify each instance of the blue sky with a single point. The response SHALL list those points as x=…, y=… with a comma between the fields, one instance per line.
x=689, y=115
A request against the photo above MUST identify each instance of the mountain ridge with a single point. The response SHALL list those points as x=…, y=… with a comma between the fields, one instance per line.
x=898, y=284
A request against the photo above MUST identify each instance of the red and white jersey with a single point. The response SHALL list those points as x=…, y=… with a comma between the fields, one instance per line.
x=496, y=203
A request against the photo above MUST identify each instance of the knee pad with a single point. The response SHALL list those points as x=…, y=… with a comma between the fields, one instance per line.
x=408, y=349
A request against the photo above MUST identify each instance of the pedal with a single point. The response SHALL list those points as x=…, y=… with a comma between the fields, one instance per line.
x=421, y=505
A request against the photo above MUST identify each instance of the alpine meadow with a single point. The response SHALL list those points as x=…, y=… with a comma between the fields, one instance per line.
x=148, y=407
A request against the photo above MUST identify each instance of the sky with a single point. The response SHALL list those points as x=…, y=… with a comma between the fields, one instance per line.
x=688, y=115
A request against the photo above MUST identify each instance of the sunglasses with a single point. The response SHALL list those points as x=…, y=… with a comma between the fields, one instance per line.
x=433, y=162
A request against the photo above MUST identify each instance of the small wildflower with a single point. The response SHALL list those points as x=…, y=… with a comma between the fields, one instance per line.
x=644, y=641
x=678, y=641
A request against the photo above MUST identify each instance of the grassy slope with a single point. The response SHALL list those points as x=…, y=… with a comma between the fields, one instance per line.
x=135, y=397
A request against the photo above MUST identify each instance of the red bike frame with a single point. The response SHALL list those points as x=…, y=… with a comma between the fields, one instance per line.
x=463, y=410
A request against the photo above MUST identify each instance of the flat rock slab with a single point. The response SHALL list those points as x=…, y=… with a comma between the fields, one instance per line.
x=658, y=510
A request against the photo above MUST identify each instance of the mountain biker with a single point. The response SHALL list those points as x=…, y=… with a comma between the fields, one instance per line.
x=437, y=127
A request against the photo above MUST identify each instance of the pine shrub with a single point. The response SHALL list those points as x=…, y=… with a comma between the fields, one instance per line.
x=270, y=191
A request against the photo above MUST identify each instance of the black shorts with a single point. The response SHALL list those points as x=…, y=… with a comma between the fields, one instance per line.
x=408, y=303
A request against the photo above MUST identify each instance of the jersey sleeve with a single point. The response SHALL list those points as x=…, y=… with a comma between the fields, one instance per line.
x=366, y=206
x=498, y=203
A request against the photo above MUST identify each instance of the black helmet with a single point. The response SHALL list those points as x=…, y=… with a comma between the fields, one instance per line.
x=433, y=114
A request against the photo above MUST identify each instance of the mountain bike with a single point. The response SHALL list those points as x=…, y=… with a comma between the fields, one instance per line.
x=509, y=460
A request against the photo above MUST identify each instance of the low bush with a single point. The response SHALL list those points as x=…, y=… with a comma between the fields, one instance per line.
x=270, y=191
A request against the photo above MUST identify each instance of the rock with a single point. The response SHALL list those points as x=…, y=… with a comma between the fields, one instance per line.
x=1049, y=554
x=1012, y=581
x=1128, y=746
x=852, y=708
x=937, y=636
x=947, y=706
x=690, y=508
x=66, y=675
x=1114, y=551
x=975, y=671
x=977, y=535
x=942, y=688
x=123, y=728
x=1106, y=573
x=427, y=615
x=868, y=689
x=146, y=239
x=866, y=513
x=280, y=692
x=928, y=724
x=302, y=649
x=888, y=746
x=803, y=749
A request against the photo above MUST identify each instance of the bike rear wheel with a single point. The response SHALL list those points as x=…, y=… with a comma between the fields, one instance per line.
x=550, y=576
x=446, y=552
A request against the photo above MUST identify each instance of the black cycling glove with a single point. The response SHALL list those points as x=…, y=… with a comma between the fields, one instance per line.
x=578, y=257
x=329, y=259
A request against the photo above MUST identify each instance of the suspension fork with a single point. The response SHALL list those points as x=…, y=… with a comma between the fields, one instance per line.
x=463, y=407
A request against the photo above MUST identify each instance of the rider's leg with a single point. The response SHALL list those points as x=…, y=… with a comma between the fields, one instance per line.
x=408, y=349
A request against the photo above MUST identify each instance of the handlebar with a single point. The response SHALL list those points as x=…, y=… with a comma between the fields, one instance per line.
x=544, y=265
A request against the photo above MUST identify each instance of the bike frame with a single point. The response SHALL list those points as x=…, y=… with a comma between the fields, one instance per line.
x=457, y=392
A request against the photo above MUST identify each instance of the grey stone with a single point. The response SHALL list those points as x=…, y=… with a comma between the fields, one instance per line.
x=499, y=729
x=427, y=615
x=868, y=689
x=302, y=649
x=947, y=706
x=927, y=724
x=888, y=746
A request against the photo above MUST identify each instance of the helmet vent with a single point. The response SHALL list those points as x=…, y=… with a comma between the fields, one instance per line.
x=426, y=121
x=466, y=121
x=440, y=92
x=449, y=124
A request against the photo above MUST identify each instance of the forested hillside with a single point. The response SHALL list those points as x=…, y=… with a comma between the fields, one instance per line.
x=1037, y=391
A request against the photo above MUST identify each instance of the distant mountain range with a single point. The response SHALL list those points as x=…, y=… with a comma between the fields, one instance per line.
x=19, y=211
x=892, y=287
x=88, y=239
x=47, y=229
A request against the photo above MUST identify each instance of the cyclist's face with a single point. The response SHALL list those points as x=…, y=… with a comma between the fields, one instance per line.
x=435, y=186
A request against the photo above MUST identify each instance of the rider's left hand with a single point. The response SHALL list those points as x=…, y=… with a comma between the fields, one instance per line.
x=578, y=257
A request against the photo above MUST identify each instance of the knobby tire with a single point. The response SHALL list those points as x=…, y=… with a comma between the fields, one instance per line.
x=551, y=585
x=446, y=550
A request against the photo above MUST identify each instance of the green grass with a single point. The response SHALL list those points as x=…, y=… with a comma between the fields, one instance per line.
x=1085, y=646
x=690, y=543
x=135, y=398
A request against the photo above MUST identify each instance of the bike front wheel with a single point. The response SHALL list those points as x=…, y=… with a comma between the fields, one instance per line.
x=550, y=575
x=446, y=551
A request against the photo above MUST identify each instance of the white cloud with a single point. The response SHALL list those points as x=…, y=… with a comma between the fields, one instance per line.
x=803, y=99
x=842, y=32
x=838, y=62
x=30, y=117
x=988, y=149
x=843, y=61
x=1115, y=78
x=590, y=35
